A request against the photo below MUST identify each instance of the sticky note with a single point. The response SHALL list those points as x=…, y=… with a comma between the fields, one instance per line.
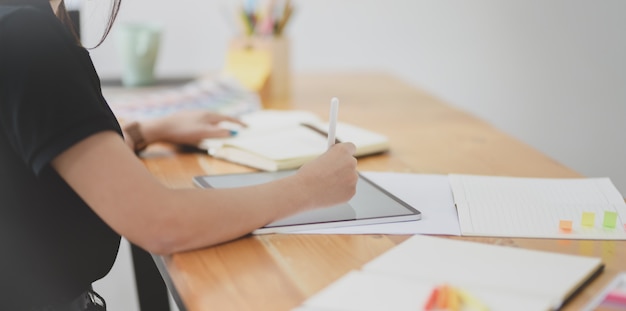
x=431, y=304
x=610, y=219
x=453, y=300
x=442, y=297
x=565, y=225
x=589, y=219
x=252, y=67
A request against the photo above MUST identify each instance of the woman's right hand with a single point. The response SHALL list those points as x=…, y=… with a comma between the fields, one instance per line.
x=331, y=178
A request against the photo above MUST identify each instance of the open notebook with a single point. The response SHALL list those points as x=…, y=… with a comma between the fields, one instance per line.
x=500, y=277
x=286, y=139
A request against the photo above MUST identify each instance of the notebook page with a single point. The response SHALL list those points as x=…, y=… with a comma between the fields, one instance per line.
x=533, y=207
x=283, y=143
x=370, y=291
x=503, y=278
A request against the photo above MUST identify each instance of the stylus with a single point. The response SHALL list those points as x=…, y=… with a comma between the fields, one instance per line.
x=332, y=126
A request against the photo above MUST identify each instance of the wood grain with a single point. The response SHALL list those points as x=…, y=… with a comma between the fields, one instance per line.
x=278, y=272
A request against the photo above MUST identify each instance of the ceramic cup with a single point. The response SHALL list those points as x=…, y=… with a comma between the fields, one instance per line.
x=138, y=47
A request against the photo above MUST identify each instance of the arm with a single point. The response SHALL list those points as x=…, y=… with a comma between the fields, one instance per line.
x=116, y=185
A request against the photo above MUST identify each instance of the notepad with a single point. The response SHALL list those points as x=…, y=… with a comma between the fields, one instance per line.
x=286, y=139
x=588, y=208
x=501, y=277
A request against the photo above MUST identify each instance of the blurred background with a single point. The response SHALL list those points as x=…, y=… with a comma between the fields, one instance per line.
x=550, y=73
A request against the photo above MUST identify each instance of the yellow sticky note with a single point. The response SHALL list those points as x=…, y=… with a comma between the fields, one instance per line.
x=565, y=225
x=589, y=219
x=252, y=67
x=471, y=301
x=610, y=219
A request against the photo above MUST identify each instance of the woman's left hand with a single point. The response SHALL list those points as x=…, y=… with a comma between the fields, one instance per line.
x=187, y=127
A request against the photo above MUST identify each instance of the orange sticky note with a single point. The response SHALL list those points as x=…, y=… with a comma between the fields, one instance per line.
x=589, y=219
x=442, y=298
x=565, y=225
x=432, y=300
x=453, y=299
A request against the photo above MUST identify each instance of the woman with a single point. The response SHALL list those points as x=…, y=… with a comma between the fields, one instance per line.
x=70, y=186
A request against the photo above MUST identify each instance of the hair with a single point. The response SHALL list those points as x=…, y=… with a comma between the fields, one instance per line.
x=67, y=21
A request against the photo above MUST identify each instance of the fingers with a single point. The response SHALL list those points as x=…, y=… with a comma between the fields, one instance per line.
x=348, y=148
x=213, y=118
x=234, y=120
x=215, y=132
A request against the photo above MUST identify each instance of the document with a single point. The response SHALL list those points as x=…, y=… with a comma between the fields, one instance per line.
x=496, y=277
x=562, y=208
x=429, y=193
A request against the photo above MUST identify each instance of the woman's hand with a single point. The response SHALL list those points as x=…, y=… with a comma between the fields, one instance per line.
x=331, y=178
x=187, y=127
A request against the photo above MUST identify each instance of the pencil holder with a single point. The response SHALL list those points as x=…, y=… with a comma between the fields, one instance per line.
x=261, y=63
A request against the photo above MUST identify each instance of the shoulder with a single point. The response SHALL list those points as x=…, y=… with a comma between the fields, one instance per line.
x=27, y=27
x=34, y=42
x=27, y=17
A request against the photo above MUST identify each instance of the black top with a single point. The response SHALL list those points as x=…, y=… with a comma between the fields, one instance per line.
x=52, y=245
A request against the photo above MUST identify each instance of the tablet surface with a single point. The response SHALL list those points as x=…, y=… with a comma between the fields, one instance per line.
x=370, y=205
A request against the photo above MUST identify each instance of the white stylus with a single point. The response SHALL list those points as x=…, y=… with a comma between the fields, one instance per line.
x=332, y=125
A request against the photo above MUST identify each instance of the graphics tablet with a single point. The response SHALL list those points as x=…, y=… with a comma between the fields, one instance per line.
x=370, y=205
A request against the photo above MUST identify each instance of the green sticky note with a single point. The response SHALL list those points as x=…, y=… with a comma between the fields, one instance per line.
x=589, y=219
x=610, y=219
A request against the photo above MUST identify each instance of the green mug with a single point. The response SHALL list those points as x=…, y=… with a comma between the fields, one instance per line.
x=138, y=46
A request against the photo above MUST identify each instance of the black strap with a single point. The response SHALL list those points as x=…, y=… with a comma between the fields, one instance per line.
x=95, y=302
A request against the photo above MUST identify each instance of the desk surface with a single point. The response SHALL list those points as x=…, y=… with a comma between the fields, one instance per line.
x=278, y=272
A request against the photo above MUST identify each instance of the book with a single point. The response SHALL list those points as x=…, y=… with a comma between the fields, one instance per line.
x=277, y=140
x=563, y=208
x=497, y=277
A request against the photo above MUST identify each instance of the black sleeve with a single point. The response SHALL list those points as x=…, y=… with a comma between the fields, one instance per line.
x=50, y=96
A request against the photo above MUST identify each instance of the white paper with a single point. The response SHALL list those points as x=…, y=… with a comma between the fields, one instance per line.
x=533, y=207
x=430, y=194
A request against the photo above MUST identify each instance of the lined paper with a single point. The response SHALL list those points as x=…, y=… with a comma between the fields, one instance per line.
x=535, y=207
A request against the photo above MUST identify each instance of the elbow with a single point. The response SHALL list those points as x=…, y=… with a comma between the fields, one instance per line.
x=158, y=245
x=155, y=243
x=160, y=234
x=164, y=238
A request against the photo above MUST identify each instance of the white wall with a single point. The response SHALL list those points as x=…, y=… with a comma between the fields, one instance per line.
x=551, y=73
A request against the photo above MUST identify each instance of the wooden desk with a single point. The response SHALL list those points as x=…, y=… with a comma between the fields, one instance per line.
x=278, y=272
